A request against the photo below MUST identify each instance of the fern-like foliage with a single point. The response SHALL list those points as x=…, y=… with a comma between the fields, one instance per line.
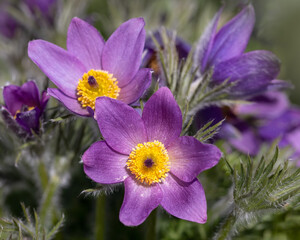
x=270, y=186
x=31, y=227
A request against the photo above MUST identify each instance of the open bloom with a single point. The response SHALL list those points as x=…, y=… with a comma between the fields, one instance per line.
x=23, y=107
x=254, y=71
x=91, y=68
x=157, y=166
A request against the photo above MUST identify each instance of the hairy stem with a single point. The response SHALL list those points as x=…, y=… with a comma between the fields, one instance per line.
x=226, y=228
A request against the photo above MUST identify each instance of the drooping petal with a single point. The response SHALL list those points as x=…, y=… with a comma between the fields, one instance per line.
x=122, y=53
x=206, y=42
x=139, y=201
x=135, y=89
x=184, y=200
x=274, y=128
x=232, y=39
x=246, y=142
x=267, y=105
x=62, y=68
x=86, y=43
x=253, y=71
x=104, y=165
x=120, y=125
x=279, y=85
x=189, y=157
x=162, y=117
x=70, y=103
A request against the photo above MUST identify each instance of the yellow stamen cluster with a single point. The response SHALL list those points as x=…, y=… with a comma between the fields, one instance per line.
x=149, y=162
x=94, y=84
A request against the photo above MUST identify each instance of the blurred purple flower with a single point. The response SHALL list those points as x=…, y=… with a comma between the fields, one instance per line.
x=150, y=59
x=44, y=6
x=247, y=126
x=91, y=68
x=157, y=166
x=8, y=25
x=224, y=50
x=23, y=107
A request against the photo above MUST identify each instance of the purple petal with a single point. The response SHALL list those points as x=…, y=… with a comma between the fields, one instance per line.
x=162, y=117
x=232, y=39
x=63, y=69
x=184, y=200
x=31, y=93
x=206, y=42
x=189, y=157
x=43, y=5
x=86, y=43
x=135, y=89
x=12, y=98
x=122, y=53
x=104, y=165
x=15, y=96
x=246, y=142
x=70, y=103
x=293, y=138
x=268, y=105
x=139, y=201
x=44, y=100
x=120, y=125
x=274, y=128
x=254, y=70
x=279, y=85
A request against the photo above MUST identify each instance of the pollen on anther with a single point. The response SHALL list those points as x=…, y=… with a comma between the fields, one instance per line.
x=94, y=84
x=149, y=162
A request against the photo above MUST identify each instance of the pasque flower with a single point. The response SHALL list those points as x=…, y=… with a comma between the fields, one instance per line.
x=264, y=119
x=254, y=72
x=8, y=25
x=43, y=6
x=91, y=67
x=157, y=166
x=23, y=107
x=150, y=58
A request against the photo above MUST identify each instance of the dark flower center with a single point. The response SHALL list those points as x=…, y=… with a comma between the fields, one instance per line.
x=92, y=81
x=148, y=162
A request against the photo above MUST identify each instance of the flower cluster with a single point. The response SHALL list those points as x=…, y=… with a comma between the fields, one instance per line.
x=253, y=72
x=150, y=149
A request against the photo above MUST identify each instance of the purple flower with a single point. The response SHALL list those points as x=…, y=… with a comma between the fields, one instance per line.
x=8, y=25
x=224, y=50
x=157, y=166
x=43, y=6
x=23, y=107
x=150, y=59
x=91, y=68
x=248, y=126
